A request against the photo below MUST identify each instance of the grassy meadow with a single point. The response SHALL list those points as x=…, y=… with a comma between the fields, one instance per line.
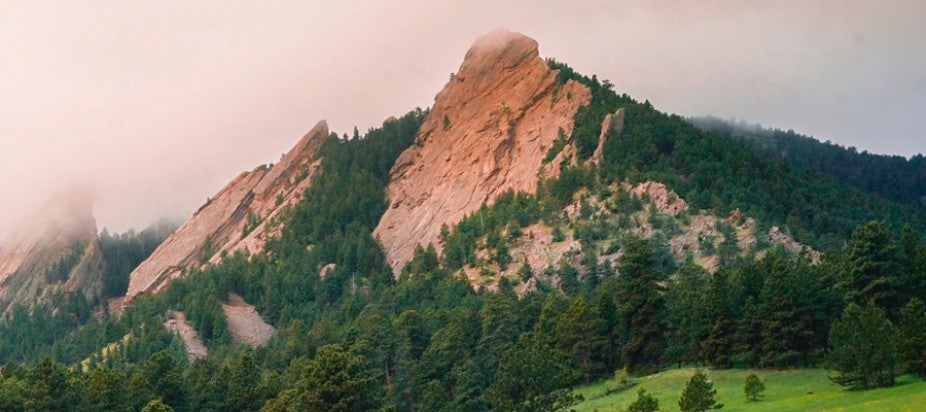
x=794, y=390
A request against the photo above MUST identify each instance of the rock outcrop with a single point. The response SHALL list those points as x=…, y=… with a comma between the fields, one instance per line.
x=242, y=216
x=666, y=200
x=612, y=126
x=488, y=132
x=54, y=251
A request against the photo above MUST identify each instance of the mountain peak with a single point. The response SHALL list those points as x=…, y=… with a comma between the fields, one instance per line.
x=487, y=133
x=498, y=48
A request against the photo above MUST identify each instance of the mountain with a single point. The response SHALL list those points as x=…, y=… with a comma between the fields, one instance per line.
x=55, y=251
x=891, y=177
x=488, y=132
x=240, y=217
x=531, y=232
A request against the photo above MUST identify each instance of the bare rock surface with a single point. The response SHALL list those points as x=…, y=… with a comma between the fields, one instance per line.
x=176, y=323
x=242, y=216
x=612, y=126
x=245, y=324
x=488, y=132
x=665, y=199
x=55, y=250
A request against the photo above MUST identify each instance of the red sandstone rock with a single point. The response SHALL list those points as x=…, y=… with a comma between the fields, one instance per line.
x=488, y=132
x=242, y=216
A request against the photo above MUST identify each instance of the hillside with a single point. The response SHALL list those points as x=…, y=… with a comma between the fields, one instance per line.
x=530, y=234
x=891, y=177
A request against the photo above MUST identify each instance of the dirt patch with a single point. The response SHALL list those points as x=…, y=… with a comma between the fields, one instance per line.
x=176, y=323
x=244, y=323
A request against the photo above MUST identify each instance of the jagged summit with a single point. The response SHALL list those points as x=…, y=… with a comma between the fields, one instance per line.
x=238, y=217
x=488, y=132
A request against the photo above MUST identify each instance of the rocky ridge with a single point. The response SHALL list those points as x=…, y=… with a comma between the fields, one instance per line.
x=656, y=213
x=240, y=217
x=488, y=132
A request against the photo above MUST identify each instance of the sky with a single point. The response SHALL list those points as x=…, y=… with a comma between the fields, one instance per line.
x=158, y=104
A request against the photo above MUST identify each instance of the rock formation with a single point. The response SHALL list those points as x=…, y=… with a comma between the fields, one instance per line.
x=54, y=251
x=612, y=126
x=241, y=216
x=666, y=200
x=488, y=132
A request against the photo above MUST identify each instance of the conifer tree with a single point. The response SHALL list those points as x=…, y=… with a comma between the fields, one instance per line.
x=645, y=402
x=753, y=387
x=874, y=269
x=911, y=342
x=863, y=352
x=699, y=395
x=641, y=309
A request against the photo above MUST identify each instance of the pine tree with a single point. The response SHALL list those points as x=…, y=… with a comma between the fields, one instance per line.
x=911, y=337
x=585, y=342
x=748, y=337
x=644, y=402
x=874, y=268
x=686, y=311
x=863, y=351
x=532, y=376
x=699, y=395
x=608, y=329
x=335, y=380
x=641, y=309
x=753, y=387
x=717, y=348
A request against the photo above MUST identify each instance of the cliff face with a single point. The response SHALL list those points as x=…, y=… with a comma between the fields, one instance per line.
x=241, y=216
x=54, y=251
x=488, y=132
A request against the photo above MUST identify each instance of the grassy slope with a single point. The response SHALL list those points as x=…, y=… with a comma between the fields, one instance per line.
x=785, y=391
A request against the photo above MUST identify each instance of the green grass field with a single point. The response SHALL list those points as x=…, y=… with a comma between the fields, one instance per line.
x=798, y=390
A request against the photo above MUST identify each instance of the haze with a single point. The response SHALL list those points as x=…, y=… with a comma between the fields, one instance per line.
x=158, y=105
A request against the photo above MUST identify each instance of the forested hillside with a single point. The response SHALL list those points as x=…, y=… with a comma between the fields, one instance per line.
x=892, y=177
x=351, y=335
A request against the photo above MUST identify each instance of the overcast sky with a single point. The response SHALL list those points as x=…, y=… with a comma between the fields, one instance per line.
x=159, y=104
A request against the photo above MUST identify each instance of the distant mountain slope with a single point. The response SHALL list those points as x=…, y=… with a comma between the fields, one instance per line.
x=711, y=174
x=892, y=177
x=53, y=252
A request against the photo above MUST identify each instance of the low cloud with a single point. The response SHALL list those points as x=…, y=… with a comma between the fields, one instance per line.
x=159, y=105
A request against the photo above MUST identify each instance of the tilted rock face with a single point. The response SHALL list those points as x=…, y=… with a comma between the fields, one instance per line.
x=612, y=126
x=54, y=251
x=488, y=132
x=242, y=216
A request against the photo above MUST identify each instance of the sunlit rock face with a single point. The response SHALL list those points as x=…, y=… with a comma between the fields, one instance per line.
x=242, y=216
x=488, y=132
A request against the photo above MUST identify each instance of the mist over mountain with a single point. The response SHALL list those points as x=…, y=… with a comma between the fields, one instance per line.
x=181, y=96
